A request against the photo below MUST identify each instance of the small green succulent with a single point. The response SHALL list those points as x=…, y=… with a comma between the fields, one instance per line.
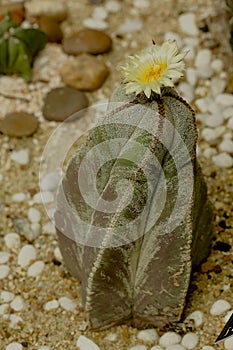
x=19, y=47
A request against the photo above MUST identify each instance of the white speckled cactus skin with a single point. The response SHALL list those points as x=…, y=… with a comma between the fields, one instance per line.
x=144, y=280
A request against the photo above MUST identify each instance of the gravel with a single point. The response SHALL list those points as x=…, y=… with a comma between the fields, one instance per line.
x=6, y=297
x=14, y=346
x=4, y=271
x=190, y=340
x=17, y=303
x=36, y=269
x=197, y=316
x=26, y=255
x=51, y=305
x=12, y=240
x=169, y=338
x=86, y=344
x=21, y=157
x=67, y=304
x=187, y=22
x=219, y=307
x=148, y=335
x=228, y=343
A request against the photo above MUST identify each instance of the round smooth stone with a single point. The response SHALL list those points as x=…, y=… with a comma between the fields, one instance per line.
x=85, y=73
x=87, y=41
x=19, y=124
x=60, y=103
x=51, y=28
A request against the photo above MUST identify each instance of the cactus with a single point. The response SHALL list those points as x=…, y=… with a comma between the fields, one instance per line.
x=135, y=259
x=18, y=47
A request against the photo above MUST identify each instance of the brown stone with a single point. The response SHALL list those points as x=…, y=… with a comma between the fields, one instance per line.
x=84, y=73
x=19, y=124
x=16, y=11
x=51, y=28
x=87, y=41
x=60, y=103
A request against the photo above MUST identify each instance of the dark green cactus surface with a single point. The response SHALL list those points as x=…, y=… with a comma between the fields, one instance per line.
x=140, y=273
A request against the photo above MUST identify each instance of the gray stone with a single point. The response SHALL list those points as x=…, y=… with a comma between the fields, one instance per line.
x=62, y=102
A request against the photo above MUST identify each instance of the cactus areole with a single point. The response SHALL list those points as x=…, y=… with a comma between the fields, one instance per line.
x=132, y=215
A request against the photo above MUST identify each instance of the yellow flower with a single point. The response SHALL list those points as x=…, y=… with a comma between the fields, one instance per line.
x=153, y=68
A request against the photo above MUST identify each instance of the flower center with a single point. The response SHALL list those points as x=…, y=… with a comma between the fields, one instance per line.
x=153, y=73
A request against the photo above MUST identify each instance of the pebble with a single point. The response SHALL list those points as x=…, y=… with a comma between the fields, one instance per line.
x=19, y=124
x=228, y=112
x=203, y=58
x=4, y=257
x=214, y=120
x=94, y=23
x=190, y=341
x=230, y=123
x=51, y=305
x=113, y=6
x=169, y=338
x=62, y=102
x=36, y=230
x=225, y=100
x=4, y=271
x=36, y=268
x=148, y=335
x=50, y=181
x=85, y=73
x=6, y=297
x=156, y=347
x=67, y=304
x=100, y=13
x=226, y=146
x=43, y=197
x=4, y=309
x=111, y=337
x=47, y=8
x=203, y=104
x=223, y=160
x=34, y=215
x=57, y=254
x=209, y=152
x=14, y=321
x=44, y=347
x=17, y=304
x=187, y=22
x=228, y=343
x=14, y=346
x=141, y=3
x=87, y=41
x=186, y=91
x=219, y=307
x=51, y=28
x=217, y=65
x=21, y=157
x=207, y=347
x=138, y=347
x=18, y=197
x=209, y=135
x=22, y=226
x=26, y=255
x=191, y=76
x=12, y=240
x=86, y=344
x=217, y=86
x=175, y=347
x=130, y=26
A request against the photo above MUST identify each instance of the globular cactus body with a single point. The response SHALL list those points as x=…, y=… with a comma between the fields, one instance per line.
x=141, y=272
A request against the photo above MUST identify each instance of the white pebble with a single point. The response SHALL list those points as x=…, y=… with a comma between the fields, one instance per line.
x=186, y=91
x=228, y=343
x=223, y=160
x=94, y=23
x=156, y=347
x=6, y=297
x=214, y=120
x=18, y=197
x=21, y=157
x=230, y=123
x=138, y=347
x=209, y=152
x=18, y=303
x=12, y=240
x=26, y=255
x=57, y=254
x=35, y=269
x=191, y=76
x=4, y=257
x=113, y=6
x=67, y=304
x=209, y=134
x=228, y=112
x=111, y=337
x=204, y=72
x=190, y=340
x=51, y=305
x=202, y=117
x=174, y=36
x=175, y=347
x=208, y=347
x=191, y=41
x=225, y=100
x=50, y=181
x=49, y=228
x=187, y=23
x=226, y=146
x=36, y=229
x=203, y=58
x=4, y=308
x=148, y=335
x=14, y=321
x=14, y=346
x=203, y=104
x=4, y=271
x=44, y=347
x=219, y=307
x=169, y=338
x=34, y=215
x=43, y=197
x=100, y=13
x=141, y=3
x=217, y=86
x=217, y=65
x=85, y=343
x=130, y=26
